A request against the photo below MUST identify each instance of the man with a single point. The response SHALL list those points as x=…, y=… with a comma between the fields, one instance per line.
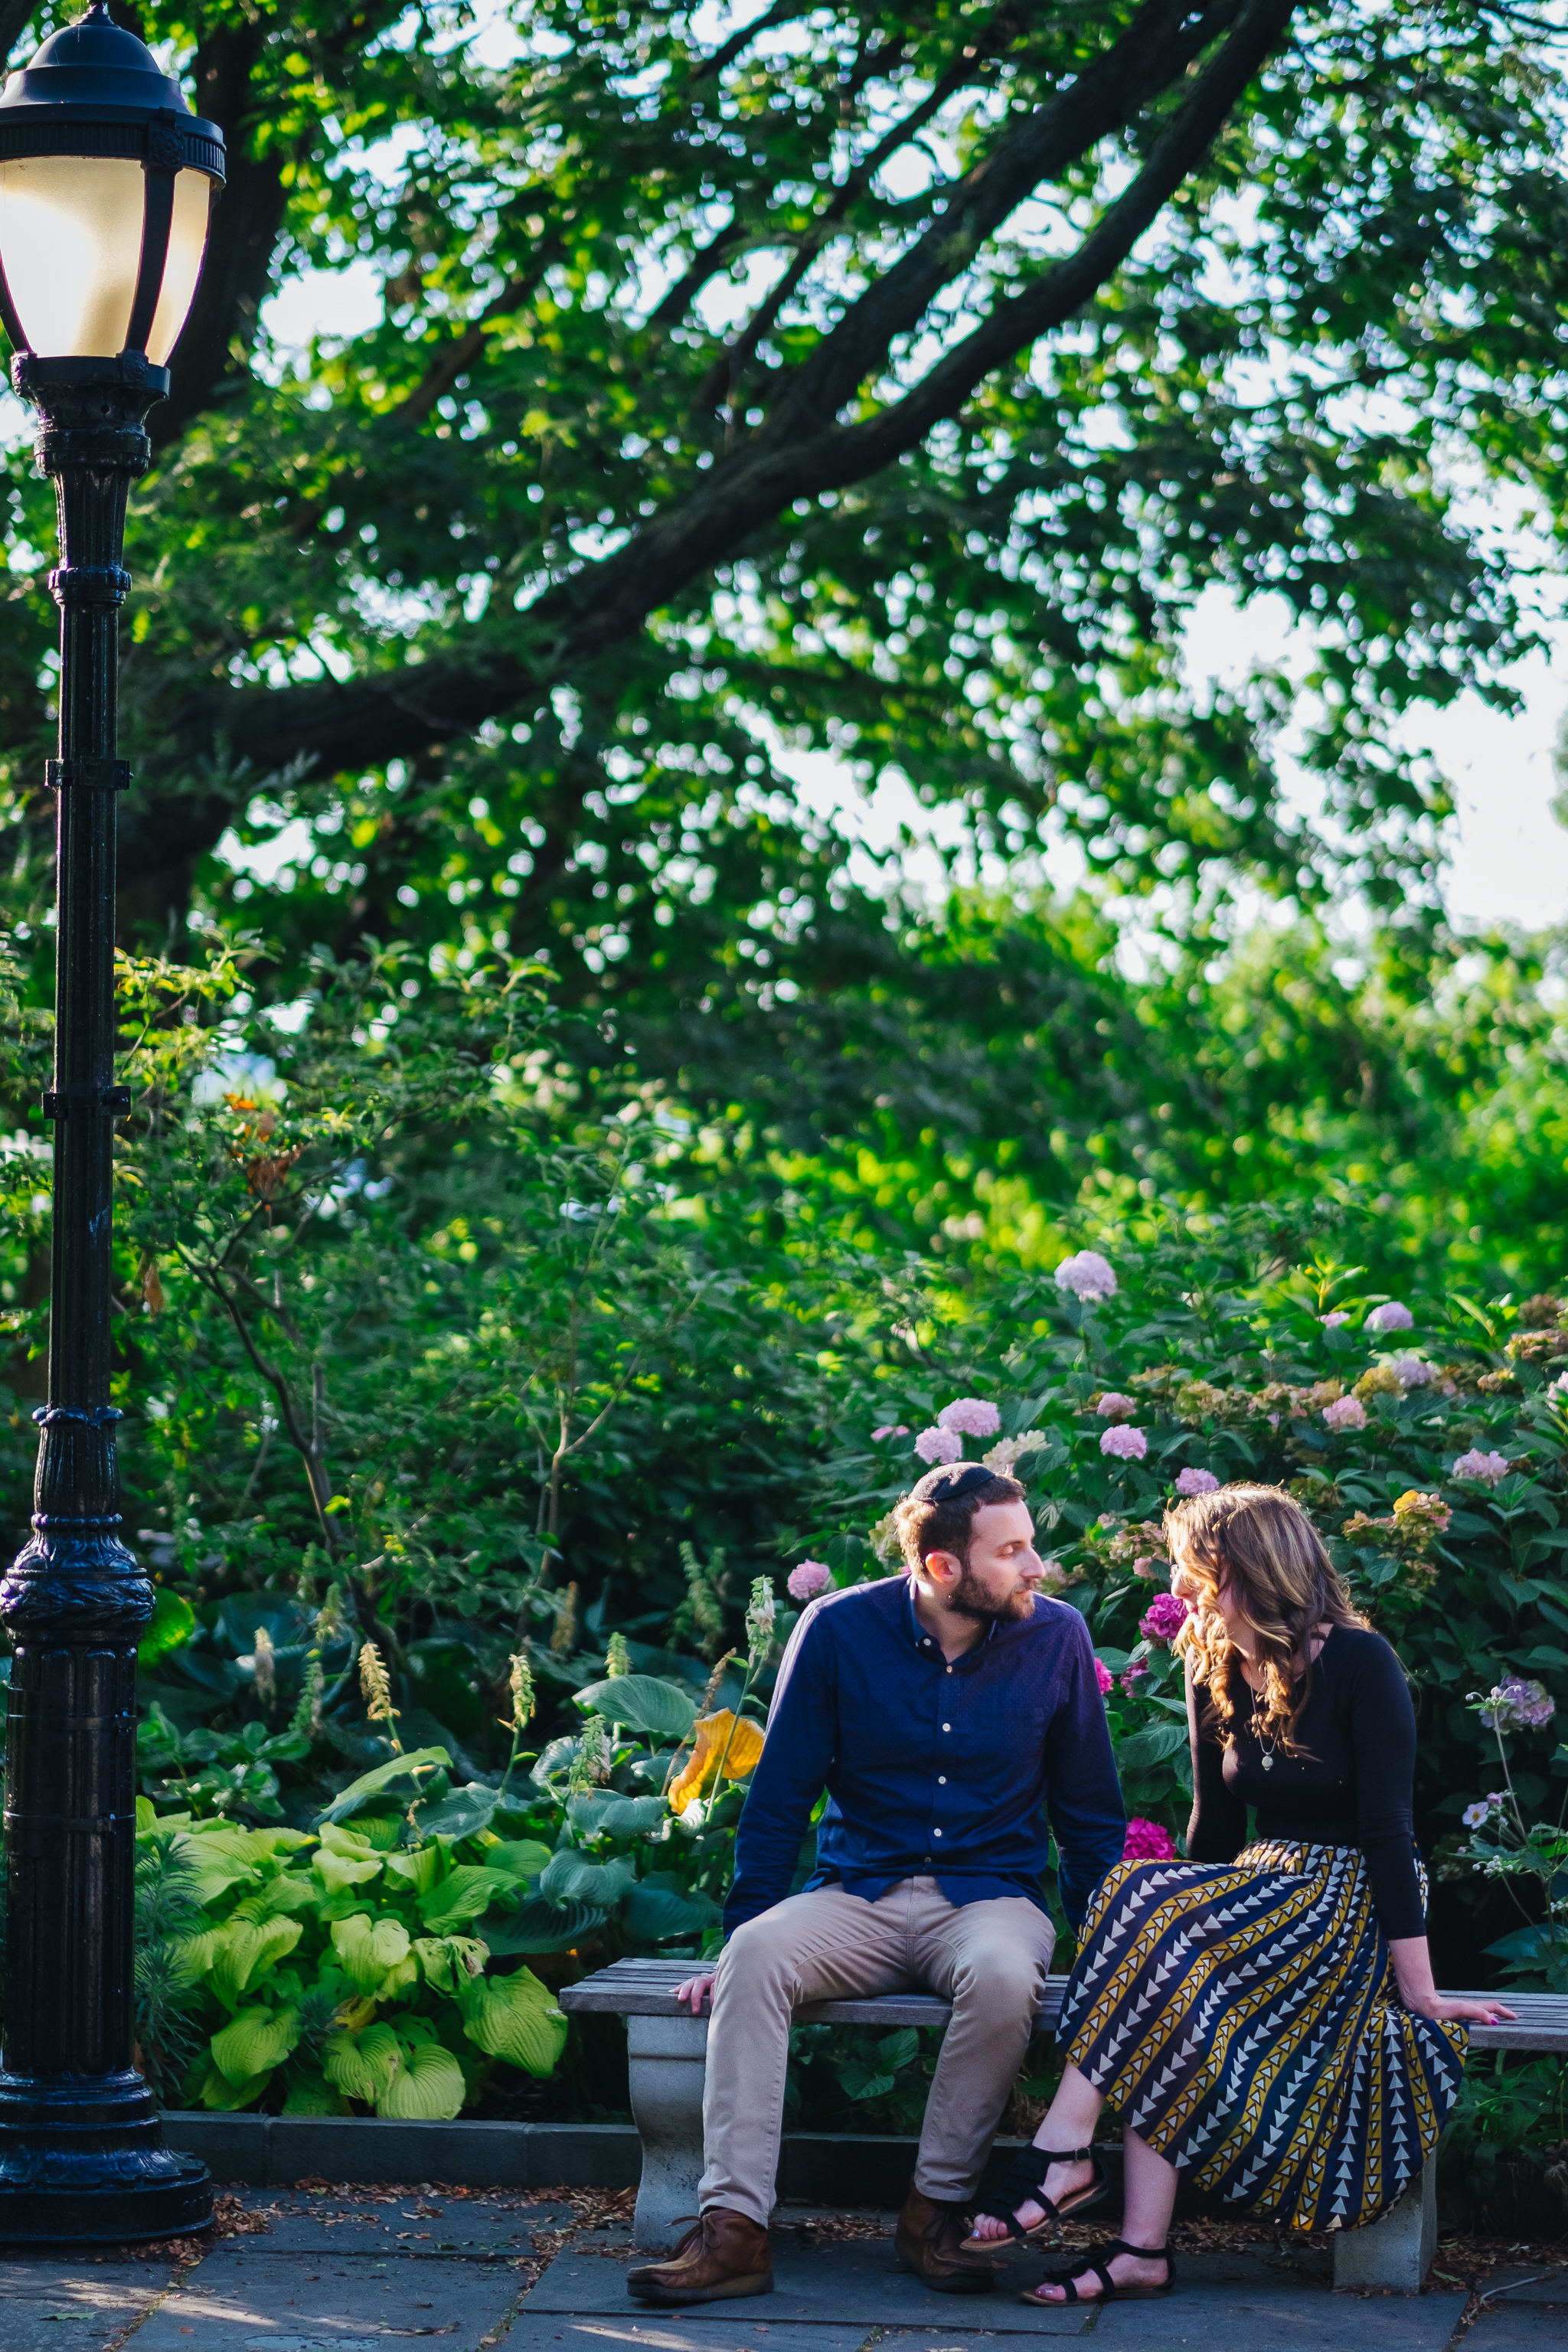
x=946, y=1714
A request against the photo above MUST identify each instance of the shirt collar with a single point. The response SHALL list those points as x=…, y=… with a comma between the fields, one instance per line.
x=926, y=1643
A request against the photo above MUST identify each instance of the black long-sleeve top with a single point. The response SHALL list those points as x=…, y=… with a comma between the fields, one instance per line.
x=1354, y=1785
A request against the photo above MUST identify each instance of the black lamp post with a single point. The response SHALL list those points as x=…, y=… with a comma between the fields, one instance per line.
x=107, y=180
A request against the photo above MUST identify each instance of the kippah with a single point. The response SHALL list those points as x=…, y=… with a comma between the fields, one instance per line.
x=953, y=1479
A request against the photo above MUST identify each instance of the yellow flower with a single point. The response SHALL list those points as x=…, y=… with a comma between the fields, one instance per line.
x=702, y=1769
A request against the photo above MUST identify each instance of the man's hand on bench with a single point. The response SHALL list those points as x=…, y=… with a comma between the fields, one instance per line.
x=696, y=1990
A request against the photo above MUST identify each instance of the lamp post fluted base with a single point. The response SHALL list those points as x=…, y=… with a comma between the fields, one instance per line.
x=82, y=2162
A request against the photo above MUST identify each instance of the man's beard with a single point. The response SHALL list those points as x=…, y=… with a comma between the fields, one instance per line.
x=969, y=1599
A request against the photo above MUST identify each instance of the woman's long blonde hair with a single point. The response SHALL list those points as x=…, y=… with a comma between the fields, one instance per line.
x=1260, y=1541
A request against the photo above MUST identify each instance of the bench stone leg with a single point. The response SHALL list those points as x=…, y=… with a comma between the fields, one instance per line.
x=667, y=2061
x=1397, y=2249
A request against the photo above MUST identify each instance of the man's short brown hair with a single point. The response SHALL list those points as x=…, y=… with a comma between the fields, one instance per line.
x=932, y=1517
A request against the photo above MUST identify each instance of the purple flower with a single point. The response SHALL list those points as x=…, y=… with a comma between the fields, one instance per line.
x=1391, y=1316
x=1127, y=1444
x=1332, y=1322
x=971, y=1415
x=1411, y=1371
x=1104, y=1677
x=1131, y=1678
x=1196, y=1482
x=1147, y=1842
x=1476, y=1464
x=813, y=1575
x=1345, y=1412
x=939, y=1445
x=889, y=1429
x=1514, y=1703
x=1165, y=1617
x=1114, y=1406
x=1087, y=1275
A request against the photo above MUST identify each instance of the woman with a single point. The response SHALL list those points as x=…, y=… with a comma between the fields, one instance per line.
x=1262, y=2015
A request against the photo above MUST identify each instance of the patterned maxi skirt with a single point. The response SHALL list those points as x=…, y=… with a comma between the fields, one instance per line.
x=1245, y=2019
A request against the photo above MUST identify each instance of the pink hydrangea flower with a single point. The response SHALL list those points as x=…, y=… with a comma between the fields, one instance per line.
x=1165, y=1617
x=1332, y=1322
x=1391, y=1316
x=1345, y=1412
x=889, y=1429
x=1114, y=1406
x=1196, y=1482
x=1053, y=1576
x=1476, y=1464
x=1087, y=1275
x=1150, y=1568
x=1104, y=1677
x=1515, y=1702
x=1124, y=1442
x=1557, y=1390
x=972, y=1416
x=1411, y=1371
x=935, y=1445
x=1135, y=1671
x=813, y=1575
x=1147, y=1842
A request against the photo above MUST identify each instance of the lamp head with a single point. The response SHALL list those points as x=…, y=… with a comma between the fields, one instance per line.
x=106, y=184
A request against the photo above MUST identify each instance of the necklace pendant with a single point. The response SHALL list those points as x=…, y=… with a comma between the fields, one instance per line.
x=1269, y=1763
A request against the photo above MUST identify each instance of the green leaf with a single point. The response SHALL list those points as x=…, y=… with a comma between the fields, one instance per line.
x=537, y=1926
x=523, y=1857
x=1156, y=1744
x=255, y=2042
x=360, y=2065
x=419, y=1869
x=897, y=2051
x=244, y=1950
x=311, y=2093
x=427, y=2087
x=462, y=1814
x=645, y=1703
x=218, y=2091
x=571, y=1878
x=386, y=1779
x=369, y=1952
x=172, y=1622
x=859, y=2081
x=448, y=1960
x=516, y=2018
x=462, y=1895
x=608, y=1814
x=652, y=1915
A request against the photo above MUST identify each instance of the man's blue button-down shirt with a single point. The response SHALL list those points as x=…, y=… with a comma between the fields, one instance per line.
x=935, y=1770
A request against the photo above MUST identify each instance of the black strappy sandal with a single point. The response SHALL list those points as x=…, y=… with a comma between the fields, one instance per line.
x=1098, y=2264
x=1024, y=2183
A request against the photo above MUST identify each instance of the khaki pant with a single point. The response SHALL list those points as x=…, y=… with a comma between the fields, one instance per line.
x=990, y=1959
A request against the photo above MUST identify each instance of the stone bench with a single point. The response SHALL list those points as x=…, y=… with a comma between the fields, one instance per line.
x=667, y=2049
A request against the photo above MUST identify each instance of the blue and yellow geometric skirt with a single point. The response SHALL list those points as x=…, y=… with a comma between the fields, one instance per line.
x=1245, y=2019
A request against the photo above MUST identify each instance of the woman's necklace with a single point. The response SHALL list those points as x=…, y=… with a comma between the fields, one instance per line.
x=1266, y=1747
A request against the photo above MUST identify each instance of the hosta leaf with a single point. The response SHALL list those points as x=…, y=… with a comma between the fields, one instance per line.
x=418, y=1869
x=369, y=1952
x=218, y=2091
x=1156, y=1744
x=462, y=1895
x=523, y=1857
x=245, y=1950
x=462, y=1813
x=360, y=2065
x=571, y=1878
x=721, y=1742
x=190, y=1957
x=427, y=2086
x=632, y=1816
x=439, y=1956
x=311, y=2093
x=644, y=1703
x=537, y=1926
x=650, y=1915
x=255, y=2042
x=217, y=1860
x=290, y=1891
x=412, y=1771
x=516, y=2018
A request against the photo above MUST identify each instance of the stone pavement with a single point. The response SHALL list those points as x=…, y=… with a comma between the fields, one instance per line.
x=363, y=2271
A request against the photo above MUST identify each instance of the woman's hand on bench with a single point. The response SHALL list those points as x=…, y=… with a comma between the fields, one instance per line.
x=1413, y=1966
x=696, y=1990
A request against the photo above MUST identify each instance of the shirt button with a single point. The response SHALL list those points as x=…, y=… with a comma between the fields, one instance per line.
x=941, y=1780
x=947, y=1727
x=950, y=1670
x=936, y=1834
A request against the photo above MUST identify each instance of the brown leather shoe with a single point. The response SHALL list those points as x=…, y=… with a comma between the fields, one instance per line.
x=930, y=2242
x=724, y=2253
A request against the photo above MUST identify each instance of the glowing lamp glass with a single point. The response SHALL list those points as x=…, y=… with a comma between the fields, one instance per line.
x=70, y=239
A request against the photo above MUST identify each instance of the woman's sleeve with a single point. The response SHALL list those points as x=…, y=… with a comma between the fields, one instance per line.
x=1217, y=1829
x=1383, y=1733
